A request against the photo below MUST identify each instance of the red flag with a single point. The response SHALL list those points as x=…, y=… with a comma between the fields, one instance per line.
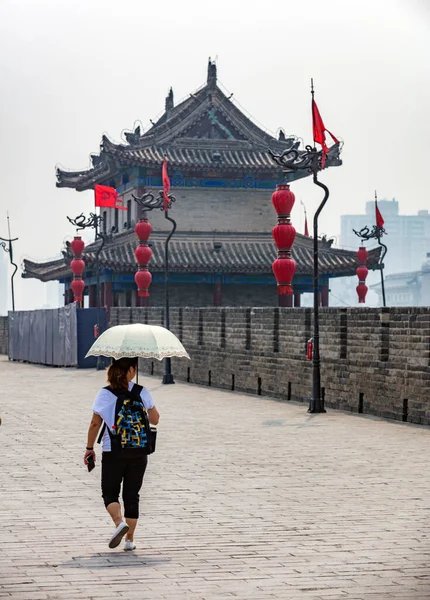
x=166, y=185
x=379, y=220
x=107, y=197
x=319, y=130
x=306, y=226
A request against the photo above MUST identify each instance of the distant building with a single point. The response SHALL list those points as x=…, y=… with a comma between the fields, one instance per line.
x=407, y=239
x=222, y=177
x=411, y=288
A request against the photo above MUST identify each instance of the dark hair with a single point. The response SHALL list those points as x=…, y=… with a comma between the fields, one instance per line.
x=117, y=372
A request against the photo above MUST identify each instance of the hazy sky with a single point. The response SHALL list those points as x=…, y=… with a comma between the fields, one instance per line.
x=71, y=71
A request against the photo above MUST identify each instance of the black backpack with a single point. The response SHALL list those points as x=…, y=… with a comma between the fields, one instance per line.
x=132, y=434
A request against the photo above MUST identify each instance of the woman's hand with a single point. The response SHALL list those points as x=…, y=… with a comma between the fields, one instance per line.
x=87, y=454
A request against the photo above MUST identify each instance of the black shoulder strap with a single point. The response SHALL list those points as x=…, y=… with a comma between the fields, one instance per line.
x=118, y=402
x=102, y=432
x=137, y=389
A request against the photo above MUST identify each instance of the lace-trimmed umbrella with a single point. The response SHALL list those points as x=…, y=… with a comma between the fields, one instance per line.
x=143, y=341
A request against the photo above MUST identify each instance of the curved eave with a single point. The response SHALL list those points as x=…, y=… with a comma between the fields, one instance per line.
x=251, y=254
x=232, y=161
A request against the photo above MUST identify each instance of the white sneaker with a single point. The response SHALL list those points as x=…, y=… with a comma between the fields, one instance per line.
x=129, y=546
x=118, y=534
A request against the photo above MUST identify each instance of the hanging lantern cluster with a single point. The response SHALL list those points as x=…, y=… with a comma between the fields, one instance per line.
x=362, y=272
x=143, y=255
x=284, y=234
x=77, y=265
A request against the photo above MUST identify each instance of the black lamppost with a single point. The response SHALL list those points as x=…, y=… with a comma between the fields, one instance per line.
x=6, y=244
x=148, y=202
x=310, y=161
x=93, y=222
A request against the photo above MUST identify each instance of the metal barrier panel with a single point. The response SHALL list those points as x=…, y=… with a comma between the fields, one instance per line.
x=47, y=337
x=13, y=334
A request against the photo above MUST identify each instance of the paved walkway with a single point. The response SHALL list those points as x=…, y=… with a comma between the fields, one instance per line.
x=245, y=498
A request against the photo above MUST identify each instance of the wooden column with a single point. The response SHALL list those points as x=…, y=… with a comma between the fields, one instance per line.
x=92, y=296
x=108, y=298
x=102, y=294
x=297, y=299
x=324, y=295
x=285, y=300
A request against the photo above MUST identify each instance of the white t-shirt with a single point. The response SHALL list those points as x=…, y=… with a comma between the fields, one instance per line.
x=104, y=405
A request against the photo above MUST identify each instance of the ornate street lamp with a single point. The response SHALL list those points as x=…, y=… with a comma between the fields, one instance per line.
x=93, y=222
x=148, y=202
x=375, y=233
x=310, y=161
x=6, y=244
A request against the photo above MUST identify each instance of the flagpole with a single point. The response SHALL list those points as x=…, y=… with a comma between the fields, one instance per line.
x=99, y=235
x=316, y=403
x=168, y=377
x=381, y=262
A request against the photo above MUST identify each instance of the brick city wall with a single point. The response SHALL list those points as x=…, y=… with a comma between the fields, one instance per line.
x=200, y=294
x=374, y=360
x=4, y=335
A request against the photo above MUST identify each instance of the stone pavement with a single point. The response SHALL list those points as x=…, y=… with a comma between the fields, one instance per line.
x=245, y=498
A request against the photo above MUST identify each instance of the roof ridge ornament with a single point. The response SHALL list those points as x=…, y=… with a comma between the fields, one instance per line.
x=170, y=103
x=212, y=74
x=133, y=138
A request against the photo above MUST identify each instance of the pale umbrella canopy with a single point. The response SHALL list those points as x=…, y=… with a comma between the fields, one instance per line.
x=144, y=341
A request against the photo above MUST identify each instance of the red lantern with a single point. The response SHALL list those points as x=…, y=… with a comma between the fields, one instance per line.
x=362, y=290
x=77, y=245
x=284, y=269
x=284, y=235
x=78, y=286
x=283, y=199
x=362, y=273
x=143, y=254
x=362, y=255
x=143, y=230
x=77, y=265
x=143, y=281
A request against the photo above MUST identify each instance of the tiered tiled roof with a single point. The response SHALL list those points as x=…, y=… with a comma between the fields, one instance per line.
x=191, y=252
x=207, y=130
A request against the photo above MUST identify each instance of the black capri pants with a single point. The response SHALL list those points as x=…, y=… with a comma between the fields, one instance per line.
x=128, y=471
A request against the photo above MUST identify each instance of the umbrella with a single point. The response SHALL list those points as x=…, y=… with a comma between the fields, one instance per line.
x=144, y=341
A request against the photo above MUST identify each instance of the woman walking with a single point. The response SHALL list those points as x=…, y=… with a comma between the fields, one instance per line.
x=124, y=458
